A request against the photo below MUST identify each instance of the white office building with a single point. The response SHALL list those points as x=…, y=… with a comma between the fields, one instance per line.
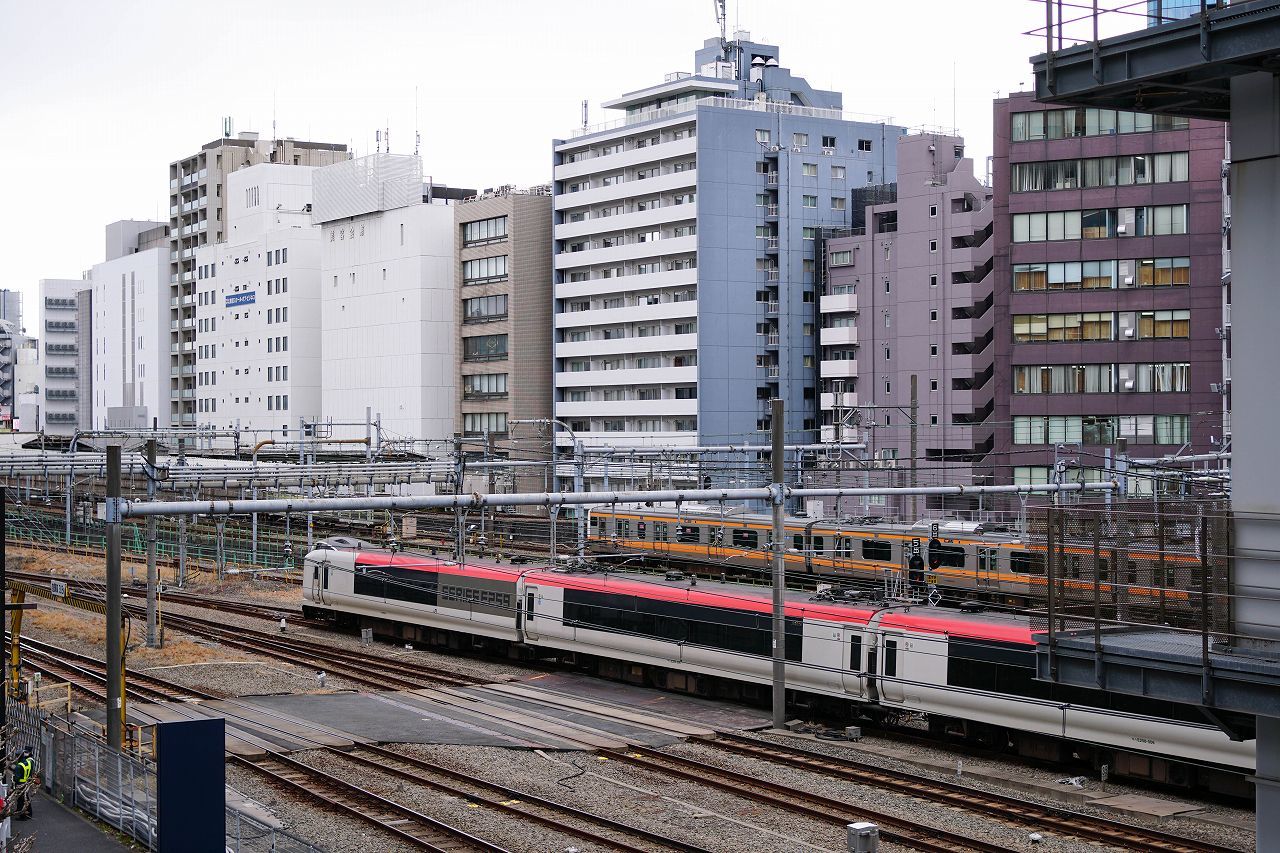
x=59, y=346
x=387, y=304
x=128, y=361
x=257, y=314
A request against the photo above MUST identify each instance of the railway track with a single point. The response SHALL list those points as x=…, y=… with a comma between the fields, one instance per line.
x=787, y=798
x=1009, y=809
x=406, y=824
x=623, y=837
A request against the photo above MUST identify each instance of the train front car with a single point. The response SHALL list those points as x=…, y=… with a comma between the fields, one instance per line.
x=411, y=597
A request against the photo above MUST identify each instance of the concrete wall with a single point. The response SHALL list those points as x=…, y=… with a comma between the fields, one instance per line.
x=59, y=345
x=129, y=354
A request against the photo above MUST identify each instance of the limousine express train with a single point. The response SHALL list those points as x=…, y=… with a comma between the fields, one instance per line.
x=969, y=675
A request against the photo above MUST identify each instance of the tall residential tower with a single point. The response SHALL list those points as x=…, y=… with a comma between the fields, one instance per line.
x=686, y=239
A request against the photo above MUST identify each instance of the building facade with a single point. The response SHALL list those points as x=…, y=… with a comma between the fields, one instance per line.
x=387, y=306
x=59, y=347
x=1108, y=286
x=685, y=240
x=197, y=217
x=503, y=309
x=125, y=319
x=906, y=318
x=12, y=334
x=257, y=312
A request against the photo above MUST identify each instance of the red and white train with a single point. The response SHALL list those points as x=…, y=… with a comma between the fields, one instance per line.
x=971, y=674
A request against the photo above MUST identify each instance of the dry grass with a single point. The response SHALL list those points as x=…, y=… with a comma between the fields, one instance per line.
x=55, y=623
x=177, y=652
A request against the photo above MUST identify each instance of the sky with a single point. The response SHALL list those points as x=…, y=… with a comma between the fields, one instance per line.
x=96, y=99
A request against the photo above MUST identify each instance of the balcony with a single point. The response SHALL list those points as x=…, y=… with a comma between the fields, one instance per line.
x=60, y=417
x=184, y=370
x=844, y=400
x=771, y=211
x=774, y=371
x=61, y=349
x=839, y=368
x=60, y=393
x=183, y=394
x=838, y=335
x=771, y=179
x=774, y=274
x=771, y=245
x=627, y=252
x=772, y=340
x=842, y=303
x=59, y=303
x=60, y=372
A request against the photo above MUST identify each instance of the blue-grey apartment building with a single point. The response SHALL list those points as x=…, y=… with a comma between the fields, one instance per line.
x=686, y=235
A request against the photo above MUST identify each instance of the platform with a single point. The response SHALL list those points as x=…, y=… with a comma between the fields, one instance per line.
x=553, y=711
x=57, y=827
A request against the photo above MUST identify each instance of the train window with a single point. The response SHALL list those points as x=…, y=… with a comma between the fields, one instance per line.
x=745, y=539
x=640, y=530
x=855, y=652
x=891, y=657
x=1026, y=563
x=874, y=549
x=1074, y=566
x=594, y=521
x=528, y=607
x=1133, y=572
x=624, y=529
x=817, y=544
x=949, y=555
x=688, y=533
x=797, y=541
x=982, y=559
x=659, y=531
x=1104, y=568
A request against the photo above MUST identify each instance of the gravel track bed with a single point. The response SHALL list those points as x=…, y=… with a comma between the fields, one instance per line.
x=1230, y=832
x=678, y=809
x=311, y=820
x=919, y=812
x=513, y=833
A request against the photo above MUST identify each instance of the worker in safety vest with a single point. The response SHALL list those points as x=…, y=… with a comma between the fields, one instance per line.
x=24, y=770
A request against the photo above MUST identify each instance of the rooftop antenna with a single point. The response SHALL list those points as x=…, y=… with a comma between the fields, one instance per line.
x=273, y=115
x=386, y=136
x=377, y=137
x=584, y=114
x=417, y=136
x=722, y=19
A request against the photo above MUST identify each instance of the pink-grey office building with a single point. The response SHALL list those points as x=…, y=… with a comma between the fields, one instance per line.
x=1108, y=283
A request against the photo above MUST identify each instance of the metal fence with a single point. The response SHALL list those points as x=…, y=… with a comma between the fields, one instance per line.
x=119, y=789
x=1134, y=565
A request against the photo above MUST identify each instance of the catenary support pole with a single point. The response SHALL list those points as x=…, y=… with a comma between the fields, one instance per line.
x=115, y=673
x=581, y=512
x=915, y=436
x=153, y=578
x=779, y=573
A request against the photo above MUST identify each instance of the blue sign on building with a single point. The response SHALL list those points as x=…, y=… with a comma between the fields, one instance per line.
x=233, y=299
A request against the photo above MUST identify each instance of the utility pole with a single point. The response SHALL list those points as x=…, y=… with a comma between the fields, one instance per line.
x=115, y=653
x=153, y=579
x=459, y=471
x=581, y=512
x=915, y=434
x=779, y=571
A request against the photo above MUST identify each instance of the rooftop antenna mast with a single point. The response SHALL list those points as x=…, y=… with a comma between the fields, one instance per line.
x=722, y=18
x=584, y=114
x=417, y=136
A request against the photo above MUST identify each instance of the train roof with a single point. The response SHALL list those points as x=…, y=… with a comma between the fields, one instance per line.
x=943, y=621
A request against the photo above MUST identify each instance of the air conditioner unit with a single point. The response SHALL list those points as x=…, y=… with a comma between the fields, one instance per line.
x=1217, y=388
x=1128, y=333
x=1128, y=385
x=775, y=148
x=796, y=149
x=829, y=151
x=1128, y=281
x=1121, y=229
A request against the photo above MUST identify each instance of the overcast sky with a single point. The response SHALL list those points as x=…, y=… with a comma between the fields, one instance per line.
x=96, y=98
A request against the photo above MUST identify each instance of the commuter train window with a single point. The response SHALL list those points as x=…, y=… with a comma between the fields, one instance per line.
x=528, y=607
x=1026, y=563
x=855, y=652
x=891, y=658
x=745, y=539
x=949, y=555
x=659, y=531
x=641, y=532
x=688, y=533
x=1104, y=568
x=798, y=541
x=623, y=528
x=594, y=521
x=817, y=544
x=1133, y=572
x=874, y=549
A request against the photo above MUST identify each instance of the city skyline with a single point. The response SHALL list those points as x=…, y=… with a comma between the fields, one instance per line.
x=77, y=106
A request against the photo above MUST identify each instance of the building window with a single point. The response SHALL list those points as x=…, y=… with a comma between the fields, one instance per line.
x=1164, y=324
x=482, y=386
x=933, y=211
x=933, y=350
x=483, y=309
x=838, y=202
x=799, y=140
x=484, y=231
x=864, y=144
x=837, y=173
x=933, y=420
x=1080, y=326
x=762, y=136
x=933, y=245
x=810, y=201
x=843, y=258
x=809, y=233
x=933, y=315
x=933, y=385
x=828, y=142
x=484, y=348
x=1091, y=121
x=809, y=170
x=482, y=270
x=933, y=281
x=479, y=423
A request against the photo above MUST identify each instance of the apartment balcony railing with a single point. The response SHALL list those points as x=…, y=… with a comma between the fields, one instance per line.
x=61, y=349
x=774, y=275
x=771, y=308
x=59, y=302
x=60, y=393
x=774, y=371
x=59, y=325
x=60, y=372
x=771, y=178
x=60, y=417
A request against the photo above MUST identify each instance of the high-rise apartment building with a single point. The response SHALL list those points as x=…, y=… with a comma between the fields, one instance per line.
x=59, y=346
x=388, y=296
x=258, y=305
x=906, y=317
x=504, y=312
x=197, y=189
x=686, y=239
x=1108, y=286
x=125, y=323
x=11, y=337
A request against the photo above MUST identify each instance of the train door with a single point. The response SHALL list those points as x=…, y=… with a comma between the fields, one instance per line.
x=851, y=676
x=891, y=667
x=319, y=580
x=987, y=567
x=531, y=626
